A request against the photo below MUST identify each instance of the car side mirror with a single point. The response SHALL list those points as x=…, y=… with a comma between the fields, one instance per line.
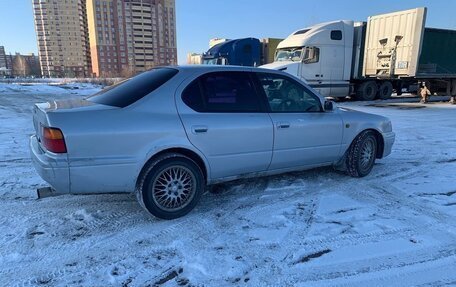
x=329, y=106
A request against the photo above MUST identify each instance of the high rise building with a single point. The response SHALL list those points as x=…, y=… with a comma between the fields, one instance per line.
x=131, y=36
x=3, y=63
x=4, y=71
x=107, y=38
x=61, y=28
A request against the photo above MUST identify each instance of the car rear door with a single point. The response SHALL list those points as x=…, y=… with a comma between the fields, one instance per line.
x=223, y=118
x=304, y=133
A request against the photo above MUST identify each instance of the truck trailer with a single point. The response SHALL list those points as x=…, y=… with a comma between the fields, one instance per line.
x=369, y=60
x=242, y=52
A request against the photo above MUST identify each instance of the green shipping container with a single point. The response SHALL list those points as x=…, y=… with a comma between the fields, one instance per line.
x=438, y=54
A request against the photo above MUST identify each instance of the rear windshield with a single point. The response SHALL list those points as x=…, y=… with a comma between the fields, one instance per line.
x=129, y=91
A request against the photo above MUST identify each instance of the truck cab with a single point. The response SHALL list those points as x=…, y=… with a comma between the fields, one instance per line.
x=321, y=55
x=239, y=52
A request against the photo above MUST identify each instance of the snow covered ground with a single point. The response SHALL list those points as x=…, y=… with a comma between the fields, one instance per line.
x=395, y=227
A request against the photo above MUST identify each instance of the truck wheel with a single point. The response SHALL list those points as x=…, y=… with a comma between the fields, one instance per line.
x=385, y=91
x=171, y=186
x=362, y=154
x=366, y=91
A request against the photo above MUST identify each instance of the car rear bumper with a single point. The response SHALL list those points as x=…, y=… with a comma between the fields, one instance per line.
x=53, y=168
x=388, y=139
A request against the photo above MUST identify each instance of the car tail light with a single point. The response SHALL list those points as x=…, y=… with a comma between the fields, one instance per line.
x=53, y=140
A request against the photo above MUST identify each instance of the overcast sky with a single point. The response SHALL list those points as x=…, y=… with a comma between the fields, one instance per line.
x=200, y=20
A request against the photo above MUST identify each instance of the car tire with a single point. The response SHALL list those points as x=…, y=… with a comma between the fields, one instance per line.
x=362, y=154
x=385, y=91
x=171, y=186
x=367, y=91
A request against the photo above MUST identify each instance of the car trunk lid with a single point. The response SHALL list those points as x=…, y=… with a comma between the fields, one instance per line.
x=44, y=114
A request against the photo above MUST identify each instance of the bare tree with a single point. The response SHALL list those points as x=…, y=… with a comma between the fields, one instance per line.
x=20, y=67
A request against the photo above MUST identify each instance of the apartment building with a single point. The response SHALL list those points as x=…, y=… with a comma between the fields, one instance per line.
x=62, y=34
x=4, y=71
x=3, y=63
x=131, y=36
x=107, y=38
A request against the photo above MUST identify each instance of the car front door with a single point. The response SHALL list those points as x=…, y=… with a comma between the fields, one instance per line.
x=224, y=119
x=304, y=134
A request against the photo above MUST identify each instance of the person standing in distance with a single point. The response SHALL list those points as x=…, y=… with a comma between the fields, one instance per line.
x=425, y=93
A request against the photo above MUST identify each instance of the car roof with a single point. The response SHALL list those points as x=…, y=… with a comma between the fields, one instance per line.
x=196, y=70
x=217, y=68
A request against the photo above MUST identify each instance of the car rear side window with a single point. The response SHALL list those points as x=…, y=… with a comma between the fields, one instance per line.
x=222, y=92
x=193, y=97
x=133, y=89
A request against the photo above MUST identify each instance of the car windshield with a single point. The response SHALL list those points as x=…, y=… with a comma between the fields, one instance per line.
x=289, y=54
x=129, y=91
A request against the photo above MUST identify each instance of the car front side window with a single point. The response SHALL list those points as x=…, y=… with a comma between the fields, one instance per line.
x=285, y=95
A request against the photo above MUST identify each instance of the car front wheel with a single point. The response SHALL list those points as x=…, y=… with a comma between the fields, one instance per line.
x=171, y=186
x=362, y=154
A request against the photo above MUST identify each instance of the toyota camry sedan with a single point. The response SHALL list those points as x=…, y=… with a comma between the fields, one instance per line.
x=169, y=132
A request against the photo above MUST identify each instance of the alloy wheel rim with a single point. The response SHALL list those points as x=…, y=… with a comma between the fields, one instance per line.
x=367, y=154
x=174, y=188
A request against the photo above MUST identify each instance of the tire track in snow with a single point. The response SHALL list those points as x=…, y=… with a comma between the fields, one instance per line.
x=203, y=229
x=200, y=229
x=256, y=260
x=206, y=224
x=378, y=264
x=335, y=242
x=391, y=201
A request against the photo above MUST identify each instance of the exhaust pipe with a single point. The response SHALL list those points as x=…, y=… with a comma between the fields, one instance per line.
x=44, y=192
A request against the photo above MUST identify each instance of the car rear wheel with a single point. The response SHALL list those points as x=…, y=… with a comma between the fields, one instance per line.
x=171, y=186
x=362, y=154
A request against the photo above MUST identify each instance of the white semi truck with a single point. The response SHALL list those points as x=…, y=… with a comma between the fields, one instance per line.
x=370, y=59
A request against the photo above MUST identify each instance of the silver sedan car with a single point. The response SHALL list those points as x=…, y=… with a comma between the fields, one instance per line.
x=169, y=132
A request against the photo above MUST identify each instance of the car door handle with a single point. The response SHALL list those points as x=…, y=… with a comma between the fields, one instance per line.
x=199, y=129
x=283, y=125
